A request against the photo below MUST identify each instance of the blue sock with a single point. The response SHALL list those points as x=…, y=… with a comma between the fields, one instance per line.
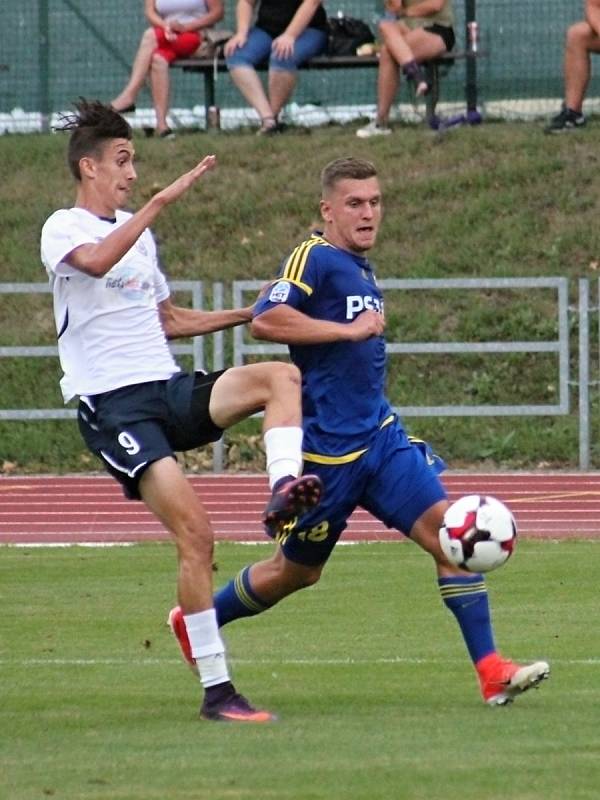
x=237, y=599
x=467, y=598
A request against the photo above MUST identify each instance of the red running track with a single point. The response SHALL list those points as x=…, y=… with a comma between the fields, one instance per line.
x=92, y=509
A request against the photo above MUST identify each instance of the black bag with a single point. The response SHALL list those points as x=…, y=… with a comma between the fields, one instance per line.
x=347, y=34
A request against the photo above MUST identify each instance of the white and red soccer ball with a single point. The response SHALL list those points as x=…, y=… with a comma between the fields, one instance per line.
x=479, y=533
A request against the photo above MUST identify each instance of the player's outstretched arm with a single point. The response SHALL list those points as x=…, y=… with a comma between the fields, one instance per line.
x=180, y=185
x=178, y=322
x=98, y=259
x=287, y=325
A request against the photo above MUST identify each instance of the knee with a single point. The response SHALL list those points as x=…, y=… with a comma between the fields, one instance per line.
x=309, y=576
x=384, y=27
x=425, y=531
x=578, y=36
x=284, y=577
x=292, y=373
x=385, y=57
x=281, y=373
x=389, y=30
x=149, y=38
x=195, y=541
x=159, y=64
x=195, y=554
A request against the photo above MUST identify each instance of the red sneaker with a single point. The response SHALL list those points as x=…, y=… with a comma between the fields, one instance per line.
x=502, y=680
x=223, y=704
x=177, y=625
x=291, y=498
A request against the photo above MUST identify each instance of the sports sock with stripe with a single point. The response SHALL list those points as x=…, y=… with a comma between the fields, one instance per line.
x=237, y=599
x=467, y=598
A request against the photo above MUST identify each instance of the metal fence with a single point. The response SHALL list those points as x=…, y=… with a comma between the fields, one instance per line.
x=570, y=372
x=53, y=51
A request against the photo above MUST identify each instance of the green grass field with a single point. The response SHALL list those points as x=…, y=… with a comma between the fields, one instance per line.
x=367, y=671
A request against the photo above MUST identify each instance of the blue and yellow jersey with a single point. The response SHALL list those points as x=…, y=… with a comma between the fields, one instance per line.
x=342, y=382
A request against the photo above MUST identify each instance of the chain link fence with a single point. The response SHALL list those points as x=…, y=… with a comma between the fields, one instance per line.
x=53, y=51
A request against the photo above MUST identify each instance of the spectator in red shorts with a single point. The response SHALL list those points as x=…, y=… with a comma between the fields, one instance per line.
x=176, y=32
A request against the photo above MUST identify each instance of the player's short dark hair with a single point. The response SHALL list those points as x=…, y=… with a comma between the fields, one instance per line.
x=92, y=124
x=346, y=168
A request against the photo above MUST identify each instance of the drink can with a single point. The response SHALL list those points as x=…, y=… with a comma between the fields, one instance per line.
x=214, y=117
x=473, y=32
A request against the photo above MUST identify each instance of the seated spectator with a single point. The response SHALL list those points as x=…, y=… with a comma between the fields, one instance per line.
x=176, y=32
x=412, y=31
x=286, y=33
x=582, y=39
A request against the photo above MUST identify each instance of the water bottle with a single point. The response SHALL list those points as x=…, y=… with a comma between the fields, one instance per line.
x=473, y=36
x=214, y=118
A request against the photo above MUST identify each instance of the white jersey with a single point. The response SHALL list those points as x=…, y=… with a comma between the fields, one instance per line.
x=109, y=329
x=181, y=10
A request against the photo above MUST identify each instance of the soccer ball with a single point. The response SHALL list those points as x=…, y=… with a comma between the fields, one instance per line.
x=479, y=533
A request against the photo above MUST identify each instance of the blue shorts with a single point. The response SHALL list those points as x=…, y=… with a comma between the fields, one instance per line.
x=395, y=481
x=134, y=426
x=257, y=50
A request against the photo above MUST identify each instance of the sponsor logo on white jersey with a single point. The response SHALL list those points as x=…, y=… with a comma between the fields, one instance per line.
x=133, y=284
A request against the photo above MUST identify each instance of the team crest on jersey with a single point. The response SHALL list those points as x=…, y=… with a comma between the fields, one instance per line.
x=280, y=292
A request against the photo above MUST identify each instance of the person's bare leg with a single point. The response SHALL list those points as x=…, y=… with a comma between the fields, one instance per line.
x=580, y=41
x=393, y=39
x=139, y=71
x=388, y=80
x=241, y=391
x=169, y=495
x=465, y=596
x=404, y=47
x=250, y=85
x=276, y=388
x=159, y=74
x=275, y=578
x=281, y=88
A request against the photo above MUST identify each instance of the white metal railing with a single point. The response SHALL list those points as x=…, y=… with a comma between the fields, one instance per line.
x=242, y=348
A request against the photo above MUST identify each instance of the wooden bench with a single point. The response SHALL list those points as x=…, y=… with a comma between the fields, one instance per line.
x=209, y=67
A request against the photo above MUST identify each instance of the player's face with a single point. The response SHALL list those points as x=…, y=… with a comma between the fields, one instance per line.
x=352, y=214
x=114, y=173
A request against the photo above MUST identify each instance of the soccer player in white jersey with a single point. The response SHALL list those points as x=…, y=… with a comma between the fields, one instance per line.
x=113, y=319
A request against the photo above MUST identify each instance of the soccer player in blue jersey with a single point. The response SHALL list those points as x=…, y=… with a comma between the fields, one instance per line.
x=327, y=307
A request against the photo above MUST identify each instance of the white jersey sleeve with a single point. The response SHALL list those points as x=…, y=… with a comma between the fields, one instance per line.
x=62, y=233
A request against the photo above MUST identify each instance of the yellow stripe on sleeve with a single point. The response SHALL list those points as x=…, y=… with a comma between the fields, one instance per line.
x=296, y=263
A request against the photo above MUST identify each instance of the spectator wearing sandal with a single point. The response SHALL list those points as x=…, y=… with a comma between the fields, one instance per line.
x=177, y=31
x=286, y=33
x=411, y=32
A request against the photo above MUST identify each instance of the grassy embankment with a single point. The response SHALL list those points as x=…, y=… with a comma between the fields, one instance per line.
x=499, y=201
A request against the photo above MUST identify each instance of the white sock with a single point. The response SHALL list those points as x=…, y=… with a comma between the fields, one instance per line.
x=284, y=452
x=207, y=647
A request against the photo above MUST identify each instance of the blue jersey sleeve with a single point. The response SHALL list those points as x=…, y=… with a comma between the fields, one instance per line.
x=280, y=292
x=297, y=279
